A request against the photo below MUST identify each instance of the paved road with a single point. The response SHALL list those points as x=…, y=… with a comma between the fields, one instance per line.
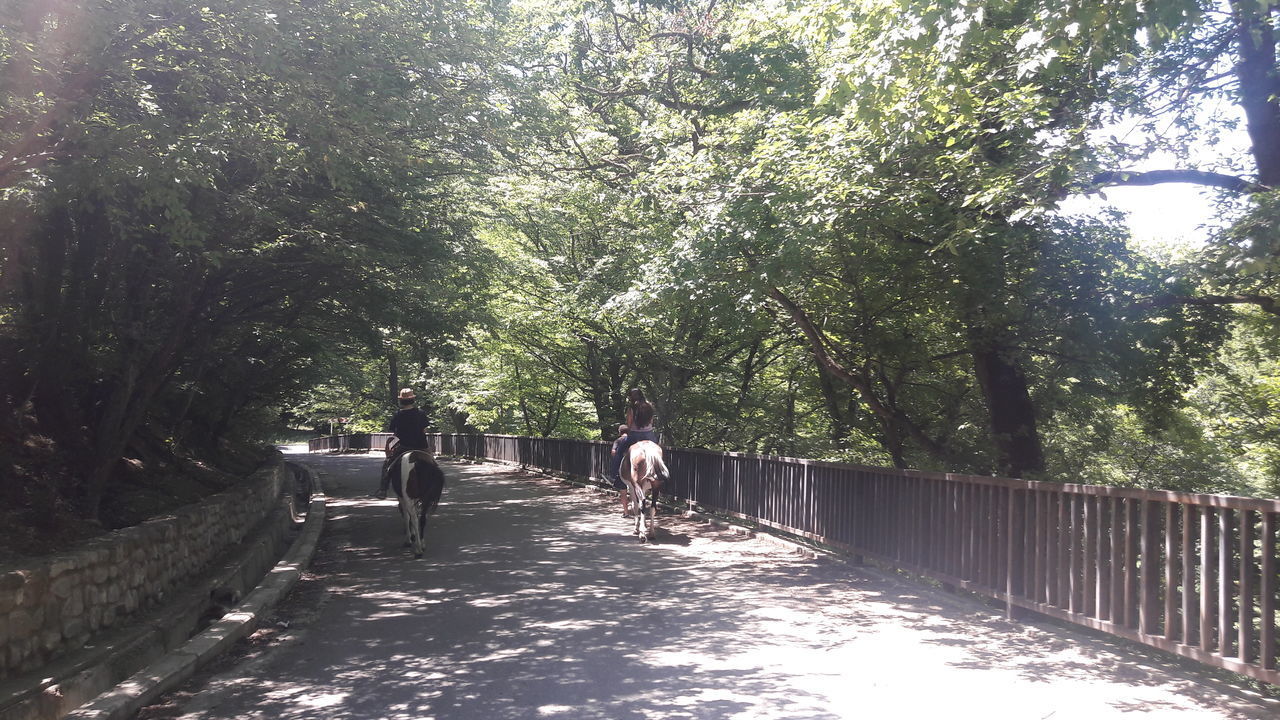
x=532, y=602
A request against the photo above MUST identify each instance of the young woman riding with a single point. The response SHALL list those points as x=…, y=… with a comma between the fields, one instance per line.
x=639, y=427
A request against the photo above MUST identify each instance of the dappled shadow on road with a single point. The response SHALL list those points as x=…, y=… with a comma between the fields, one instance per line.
x=533, y=601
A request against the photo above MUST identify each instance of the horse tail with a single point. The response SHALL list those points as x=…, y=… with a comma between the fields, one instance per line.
x=660, y=467
x=434, y=486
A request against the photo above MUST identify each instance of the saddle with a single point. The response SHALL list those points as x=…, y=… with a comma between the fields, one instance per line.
x=393, y=460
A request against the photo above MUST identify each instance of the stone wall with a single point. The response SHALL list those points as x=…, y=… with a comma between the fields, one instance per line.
x=51, y=605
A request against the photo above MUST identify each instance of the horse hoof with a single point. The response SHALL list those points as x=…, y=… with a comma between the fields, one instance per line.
x=417, y=556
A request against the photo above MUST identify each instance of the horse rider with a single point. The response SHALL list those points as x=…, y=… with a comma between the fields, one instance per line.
x=639, y=427
x=618, y=485
x=409, y=425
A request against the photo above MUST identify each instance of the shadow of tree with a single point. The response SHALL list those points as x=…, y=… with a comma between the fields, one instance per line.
x=534, y=601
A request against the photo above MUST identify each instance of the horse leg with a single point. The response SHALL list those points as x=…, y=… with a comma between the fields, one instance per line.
x=646, y=515
x=411, y=510
x=639, y=507
x=406, y=514
x=625, y=494
x=638, y=504
x=653, y=513
x=419, y=525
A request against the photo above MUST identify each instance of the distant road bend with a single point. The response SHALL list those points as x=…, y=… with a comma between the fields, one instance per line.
x=533, y=602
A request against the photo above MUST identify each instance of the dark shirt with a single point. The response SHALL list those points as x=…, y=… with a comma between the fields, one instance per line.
x=409, y=426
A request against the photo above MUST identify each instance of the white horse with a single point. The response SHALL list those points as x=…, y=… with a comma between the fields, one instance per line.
x=644, y=473
x=418, y=482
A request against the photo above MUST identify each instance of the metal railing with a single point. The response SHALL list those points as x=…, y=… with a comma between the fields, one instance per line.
x=1191, y=574
x=356, y=442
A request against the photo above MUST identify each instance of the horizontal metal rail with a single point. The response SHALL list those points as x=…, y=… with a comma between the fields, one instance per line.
x=349, y=443
x=1188, y=573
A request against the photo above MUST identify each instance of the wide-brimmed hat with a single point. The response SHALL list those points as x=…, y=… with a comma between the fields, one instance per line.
x=407, y=394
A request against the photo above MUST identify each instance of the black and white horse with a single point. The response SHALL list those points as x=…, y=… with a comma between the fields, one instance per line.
x=417, y=482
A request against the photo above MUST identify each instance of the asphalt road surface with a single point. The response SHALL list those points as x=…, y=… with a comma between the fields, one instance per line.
x=534, y=602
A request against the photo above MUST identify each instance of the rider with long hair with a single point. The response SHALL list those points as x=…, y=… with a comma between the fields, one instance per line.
x=639, y=423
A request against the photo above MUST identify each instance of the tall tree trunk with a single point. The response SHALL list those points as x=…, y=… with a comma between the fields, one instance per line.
x=1011, y=413
x=522, y=402
x=551, y=420
x=460, y=421
x=1259, y=86
x=144, y=373
x=50, y=359
x=749, y=370
x=393, y=375
x=599, y=388
x=840, y=426
x=196, y=379
x=666, y=391
x=789, y=418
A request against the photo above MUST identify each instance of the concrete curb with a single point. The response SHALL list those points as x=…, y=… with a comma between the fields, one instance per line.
x=144, y=686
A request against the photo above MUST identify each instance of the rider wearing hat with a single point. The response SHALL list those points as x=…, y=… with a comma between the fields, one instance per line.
x=409, y=425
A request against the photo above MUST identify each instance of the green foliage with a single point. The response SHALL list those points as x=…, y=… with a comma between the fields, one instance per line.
x=823, y=228
x=1237, y=402
x=873, y=182
x=203, y=201
x=1117, y=447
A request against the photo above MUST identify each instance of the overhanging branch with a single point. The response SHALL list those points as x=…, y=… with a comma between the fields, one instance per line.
x=1264, y=302
x=1158, y=177
x=892, y=416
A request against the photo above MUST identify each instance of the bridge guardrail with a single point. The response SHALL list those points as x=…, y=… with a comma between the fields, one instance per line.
x=1192, y=574
x=349, y=443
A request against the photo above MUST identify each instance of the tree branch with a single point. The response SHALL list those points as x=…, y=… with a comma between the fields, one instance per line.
x=1264, y=302
x=1157, y=177
x=670, y=104
x=893, y=417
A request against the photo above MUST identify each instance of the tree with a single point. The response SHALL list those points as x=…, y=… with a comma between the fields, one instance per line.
x=184, y=181
x=886, y=193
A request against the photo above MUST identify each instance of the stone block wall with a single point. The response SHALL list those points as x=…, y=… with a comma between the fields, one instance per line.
x=52, y=605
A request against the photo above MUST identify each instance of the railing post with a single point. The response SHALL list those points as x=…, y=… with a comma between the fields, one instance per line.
x=1226, y=523
x=1148, y=572
x=1267, y=646
x=1015, y=521
x=1245, y=590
